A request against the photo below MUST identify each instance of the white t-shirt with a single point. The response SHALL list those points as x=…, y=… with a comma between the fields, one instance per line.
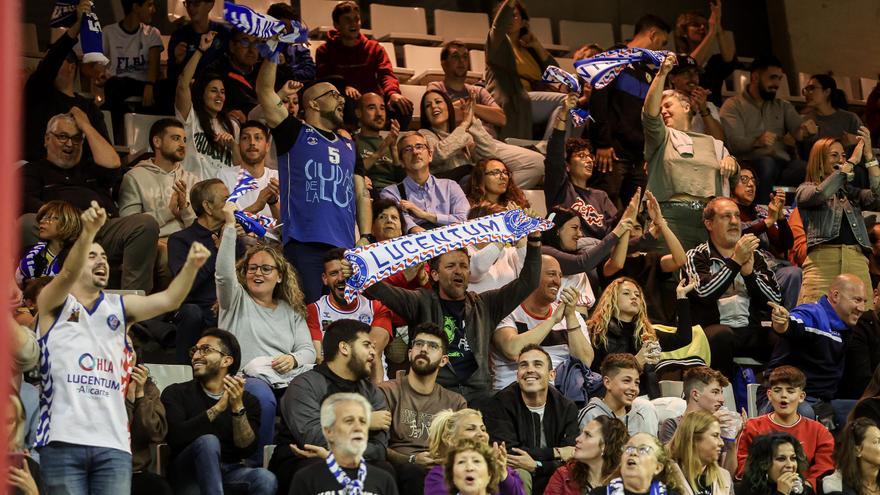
x=129, y=53
x=697, y=123
x=202, y=159
x=555, y=343
x=493, y=268
x=229, y=176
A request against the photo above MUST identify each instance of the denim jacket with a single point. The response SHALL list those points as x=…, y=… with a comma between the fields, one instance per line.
x=823, y=206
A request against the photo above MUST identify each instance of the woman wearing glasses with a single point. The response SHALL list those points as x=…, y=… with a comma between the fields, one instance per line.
x=775, y=466
x=827, y=106
x=261, y=303
x=645, y=468
x=492, y=182
x=695, y=35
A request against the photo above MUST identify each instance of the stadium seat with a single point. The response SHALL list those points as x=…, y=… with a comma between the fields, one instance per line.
x=30, y=45
x=543, y=30
x=752, y=393
x=268, y=450
x=169, y=374
x=626, y=33
x=536, y=201
x=163, y=58
x=425, y=61
x=729, y=399
x=671, y=388
x=414, y=93
x=478, y=61
x=784, y=91
x=317, y=16
x=867, y=84
x=844, y=83
x=386, y=22
x=740, y=80
x=256, y=5
x=471, y=28
x=403, y=74
x=108, y=121
x=137, y=131
x=577, y=34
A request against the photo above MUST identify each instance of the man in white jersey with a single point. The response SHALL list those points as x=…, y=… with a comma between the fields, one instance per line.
x=333, y=306
x=547, y=318
x=85, y=362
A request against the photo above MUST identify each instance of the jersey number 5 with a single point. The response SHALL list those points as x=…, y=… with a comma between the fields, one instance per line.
x=333, y=154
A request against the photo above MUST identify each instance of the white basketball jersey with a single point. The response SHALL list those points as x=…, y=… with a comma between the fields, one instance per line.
x=328, y=313
x=85, y=365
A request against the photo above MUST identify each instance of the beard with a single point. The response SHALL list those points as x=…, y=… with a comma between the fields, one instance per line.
x=172, y=156
x=359, y=367
x=333, y=117
x=261, y=157
x=355, y=448
x=766, y=94
x=424, y=367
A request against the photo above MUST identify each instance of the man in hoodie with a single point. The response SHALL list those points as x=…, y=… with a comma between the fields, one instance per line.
x=536, y=422
x=362, y=63
x=620, y=375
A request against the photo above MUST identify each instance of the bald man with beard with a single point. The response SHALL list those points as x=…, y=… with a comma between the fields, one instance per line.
x=813, y=338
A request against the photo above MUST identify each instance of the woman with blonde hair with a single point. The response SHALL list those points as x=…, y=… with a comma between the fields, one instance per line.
x=449, y=427
x=830, y=208
x=696, y=448
x=261, y=303
x=645, y=468
x=695, y=35
x=472, y=468
x=597, y=452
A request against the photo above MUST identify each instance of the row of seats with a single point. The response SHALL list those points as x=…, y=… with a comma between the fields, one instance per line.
x=740, y=79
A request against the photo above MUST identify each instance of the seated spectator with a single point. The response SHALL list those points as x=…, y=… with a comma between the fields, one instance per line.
x=24, y=471
x=856, y=460
x=414, y=399
x=733, y=290
x=645, y=467
x=773, y=232
x=387, y=215
x=755, y=123
x=868, y=405
x=458, y=144
x=260, y=300
x=492, y=182
x=296, y=56
x=186, y=39
x=862, y=354
x=133, y=47
x=473, y=468
x=345, y=417
x=213, y=422
x=65, y=175
x=696, y=449
x=362, y=63
x=493, y=264
x=620, y=376
x=834, y=245
x=428, y=201
x=49, y=91
x=703, y=390
x=827, y=107
x=456, y=62
x=556, y=327
x=58, y=227
x=149, y=425
x=813, y=339
x=253, y=147
x=775, y=465
x=211, y=133
x=616, y=124
x=515, y=63
x=568, y=168
x=378, y=154
x=448, y=428
x=597, y=453
x=685, y=78
x=333, y=307
x=535, y=448
x=348, y=358
x=685, y=168
x=695, y=36
x=785, y=394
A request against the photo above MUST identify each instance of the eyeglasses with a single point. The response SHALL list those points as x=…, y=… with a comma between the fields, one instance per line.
x=584, y=156
x=332, y=92
x=745, y=179
x=204, y=350
x=420, y=344
x=413, y=148
x=48, y=219
x=63, y=138
x=809, y=88
x=640, y=450
x=264, y=269
x=498, y=172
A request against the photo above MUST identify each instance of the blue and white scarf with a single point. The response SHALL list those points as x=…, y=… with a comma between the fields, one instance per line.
x=349, y=486
x=91, y=40
x=64, y=13
x=265, y=27
x=553, y=74
x=376, y=262
x=602, y=69
x=252, y=223
x=615, y=487
x=28, y=264
x=245, y=183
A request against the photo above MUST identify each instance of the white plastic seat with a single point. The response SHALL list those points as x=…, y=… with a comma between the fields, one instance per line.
x=577, y=34
x=803, y=79
x=268, y=450
x=671, y=388
x=542, y=28
x=176, y=10
x=740, y=80
x=425, y=61
x=537, y=201
x=478, y=61
x=752, y=393
x=401, y=25
x=729, y=399
x=414, y=94
x=844, y=83
x=471, y=28
x=317, y=14
x=403, y=74
x=169, y=374
x=784, y=91
x=108, y=122
x=867, y=84
x=137, y=131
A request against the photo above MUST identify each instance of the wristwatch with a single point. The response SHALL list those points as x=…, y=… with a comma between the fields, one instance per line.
x=239, y=413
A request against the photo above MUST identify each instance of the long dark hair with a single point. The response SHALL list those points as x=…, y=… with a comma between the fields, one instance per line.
x=837, y=98
x=760, y=459
x=198, y=106
x=845, y=456
x=477, y=192
x=873, y=388
x=614, y=436
x=424, y=123
x=563, y=215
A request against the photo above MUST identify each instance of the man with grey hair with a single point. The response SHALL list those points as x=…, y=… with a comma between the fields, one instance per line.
x=65, y=175
x=345, y=419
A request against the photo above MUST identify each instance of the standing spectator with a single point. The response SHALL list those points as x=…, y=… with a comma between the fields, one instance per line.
x=616, y=130
x=830, y=206
x=185, y=41
x=703, y=390
x=827, y=106
x=733, y=290
x=515, y=63
x=455, y=61
x=296, y=55
x=428, y=201
x=211, y=132
x=872, y=112
x=685, y=78
x=58, y=227
x=696, y=449
x=213, y=422
x=65, y=175
x=316, y=171
x=146, y=414
x=378, y=154
x=696, y=37
x=86, y=361
x=344, y=422
x=775, y=465
x=49, y=91
x=253, y=147
x=620, y=376
x=755, y=123
x=856, y=459
x=492, y=182
x=534, y=420
x=597, y=453
x=362, y=63
x=414, y=398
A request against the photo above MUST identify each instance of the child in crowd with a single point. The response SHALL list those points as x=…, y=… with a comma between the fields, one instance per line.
x=620, y=376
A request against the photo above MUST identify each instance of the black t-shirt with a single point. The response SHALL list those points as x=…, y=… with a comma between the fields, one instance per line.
x=461, y=356
x=286, y=133
x=317, y=480
x=79, y=185
x=845, y=236
x=714, y=74
x=656, y=285
x=702, y=487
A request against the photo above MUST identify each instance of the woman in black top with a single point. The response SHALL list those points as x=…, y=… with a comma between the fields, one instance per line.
x=775, y=466
x=857, y=456
x=637, y=474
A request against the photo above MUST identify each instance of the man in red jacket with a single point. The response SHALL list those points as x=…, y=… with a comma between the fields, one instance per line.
x=362, y=63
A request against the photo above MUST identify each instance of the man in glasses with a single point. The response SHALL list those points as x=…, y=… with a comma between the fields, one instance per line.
x=185, y=41
x=65, y=175
x=213, y=421
x=427, y=201
x=414, y=398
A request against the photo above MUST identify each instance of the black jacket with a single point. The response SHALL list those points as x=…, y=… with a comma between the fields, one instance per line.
x=616, y=110
x=862, y=356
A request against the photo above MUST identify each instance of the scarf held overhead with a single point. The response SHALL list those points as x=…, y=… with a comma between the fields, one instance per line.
x=602, y=69
x=265, y=27
x=376, y=262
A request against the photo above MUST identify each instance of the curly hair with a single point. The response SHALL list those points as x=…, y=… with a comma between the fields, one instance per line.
x=666, y=476
x=613, y=437
x=68, y=222
x=493, y=466
x=288, y=290
x=760, y=458
x=477, y=193
x=682, y=448
x=607, y=308
x=846, y=454
x=443, y=427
